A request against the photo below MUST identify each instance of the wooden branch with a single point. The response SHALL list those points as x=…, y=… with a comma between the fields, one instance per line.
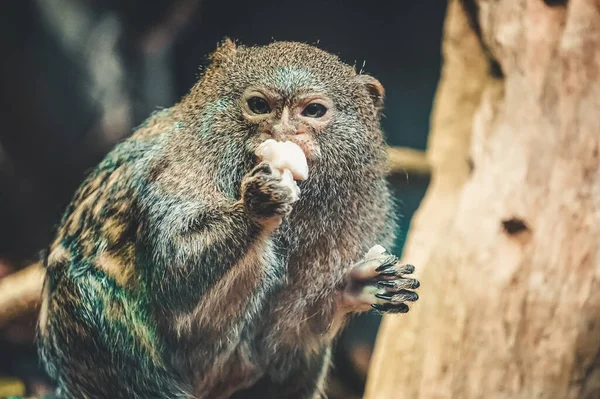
x=409, y=161
x=20, y=292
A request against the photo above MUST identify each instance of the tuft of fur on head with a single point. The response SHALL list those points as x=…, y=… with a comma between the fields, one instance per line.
x=224, y=52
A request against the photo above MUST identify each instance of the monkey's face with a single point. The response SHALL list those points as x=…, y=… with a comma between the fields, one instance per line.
x=299, y=117
x=294, y=92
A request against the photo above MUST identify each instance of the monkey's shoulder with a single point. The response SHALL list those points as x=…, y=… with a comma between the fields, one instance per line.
x=98, y=229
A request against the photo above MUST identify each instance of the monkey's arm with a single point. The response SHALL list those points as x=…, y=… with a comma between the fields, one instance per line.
x=192, y=247
x=199, y=252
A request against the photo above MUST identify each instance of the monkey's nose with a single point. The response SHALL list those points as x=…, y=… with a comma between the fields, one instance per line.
x=281, y=133
x=300, y=131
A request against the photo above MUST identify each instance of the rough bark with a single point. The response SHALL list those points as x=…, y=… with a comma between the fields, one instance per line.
x=509, y=255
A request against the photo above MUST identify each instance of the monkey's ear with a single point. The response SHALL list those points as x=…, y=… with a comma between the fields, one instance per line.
x=375, y=89
x=224, y=52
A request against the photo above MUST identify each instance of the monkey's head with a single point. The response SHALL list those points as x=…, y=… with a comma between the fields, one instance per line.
x=291, y=92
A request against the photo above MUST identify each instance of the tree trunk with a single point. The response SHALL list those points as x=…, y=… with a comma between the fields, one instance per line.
x=509, y=254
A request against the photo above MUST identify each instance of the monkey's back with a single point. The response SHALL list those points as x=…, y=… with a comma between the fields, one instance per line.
x=96, y=334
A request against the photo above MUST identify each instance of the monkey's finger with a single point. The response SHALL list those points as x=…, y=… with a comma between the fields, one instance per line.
x=263, y=167
x=367, y=269
x=391, y=308
x=400, y=296
x=395, y=270
x=398, y=284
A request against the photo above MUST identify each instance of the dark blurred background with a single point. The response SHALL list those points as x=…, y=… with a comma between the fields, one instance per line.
x=78, y=75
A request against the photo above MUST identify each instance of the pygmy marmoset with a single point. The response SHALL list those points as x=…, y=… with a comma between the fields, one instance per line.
x=183, y=267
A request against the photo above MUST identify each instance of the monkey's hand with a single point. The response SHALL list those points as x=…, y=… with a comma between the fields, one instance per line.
x=266, y=196
x=379, y=282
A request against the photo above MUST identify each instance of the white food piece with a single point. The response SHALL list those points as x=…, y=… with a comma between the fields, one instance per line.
x=284, y=155
x=288, y=180
x=375, y=251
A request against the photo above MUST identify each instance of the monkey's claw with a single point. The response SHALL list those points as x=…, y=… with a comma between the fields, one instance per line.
x=381, y=283
x=391, y=308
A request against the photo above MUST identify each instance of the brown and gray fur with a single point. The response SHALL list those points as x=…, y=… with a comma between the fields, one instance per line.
x=182, y=269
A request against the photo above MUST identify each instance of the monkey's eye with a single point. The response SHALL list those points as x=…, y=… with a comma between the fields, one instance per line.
x=314, y=110
x=259, y=105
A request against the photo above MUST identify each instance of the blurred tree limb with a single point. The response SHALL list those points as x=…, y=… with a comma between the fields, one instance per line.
x=20, y=292
x=413, y=162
